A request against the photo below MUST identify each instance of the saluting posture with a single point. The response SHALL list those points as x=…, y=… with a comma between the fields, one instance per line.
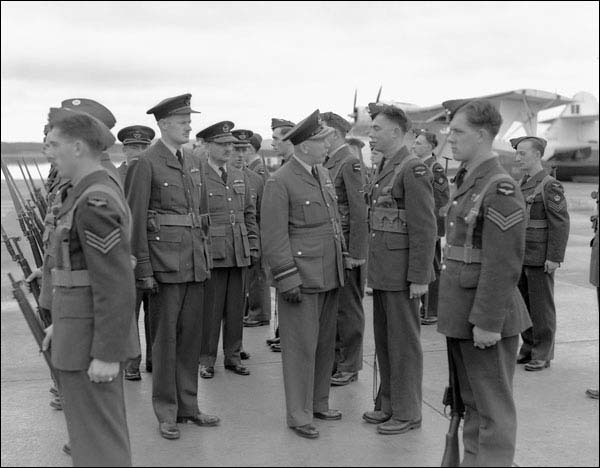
x=136, y=139
x=346, y=173
x=169, y=203
x=481, y=311
x=545, y=244
x=402, y=241
x=93, y=328
x=423, y=147
x=302, y=242
x=235, y=246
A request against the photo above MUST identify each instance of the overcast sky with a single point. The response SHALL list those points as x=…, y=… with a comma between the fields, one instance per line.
x=250, y=61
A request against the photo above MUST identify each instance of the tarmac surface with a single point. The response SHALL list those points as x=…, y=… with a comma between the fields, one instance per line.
x=558, y=424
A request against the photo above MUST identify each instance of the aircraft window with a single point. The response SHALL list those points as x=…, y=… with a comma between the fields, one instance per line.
x=574, y=108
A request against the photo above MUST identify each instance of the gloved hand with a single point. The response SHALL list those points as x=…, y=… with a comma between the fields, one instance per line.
x=147, y=284
x=293, y=296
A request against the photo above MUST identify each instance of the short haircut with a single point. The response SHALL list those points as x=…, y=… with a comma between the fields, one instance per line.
x=481, y=113
x=82, y=127
x=430, y=137
x=396, y=115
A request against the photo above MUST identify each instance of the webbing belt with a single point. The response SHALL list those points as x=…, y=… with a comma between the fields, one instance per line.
x=462, y=254
x=537, y=224
x=190, y=219
x=70, y=278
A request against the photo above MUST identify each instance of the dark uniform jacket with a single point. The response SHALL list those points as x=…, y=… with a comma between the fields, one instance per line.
x=94, y=291
x=548, y=225
x=233, y=228
x=484, y=293
x=397, y=259
x=300, y=230
x=170, y=227
x=441, y=192
x=257, y=186
x=346, y=173
x=122, y=170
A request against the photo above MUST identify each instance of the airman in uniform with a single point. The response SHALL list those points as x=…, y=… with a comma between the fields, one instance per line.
x=169, y=203
x=93, y=328
x=345, y=171
x=283, y=149
x=258, y=293
x=254, y=161
x=480, y=309
x=235, y=246
x=594, y=273
x=545, y=244
x=423, y=147
x=302, y=242
x=401, y=247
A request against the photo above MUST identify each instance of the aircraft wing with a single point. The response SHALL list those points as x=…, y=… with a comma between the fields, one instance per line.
x=572, y=118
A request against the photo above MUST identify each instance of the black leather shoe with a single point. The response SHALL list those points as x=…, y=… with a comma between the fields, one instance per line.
x=329, y=415
x=396, y=426
x=238, y=369
x=255, y=323
x=276, y=347
x=244, y=355
x=168, y=430
x=67, y=449
x=308, y=431
x=207, y=372
x=132, y=374
x=149, y=367
x=523, y=358
x=376, y=417
x=201, y=419
x=537, y=365
x=272, y=341
x=340, y=379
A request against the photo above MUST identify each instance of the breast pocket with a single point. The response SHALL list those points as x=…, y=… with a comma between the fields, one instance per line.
x=172, y=193
x=216, y=201
x=314, y=212
x=164, y=247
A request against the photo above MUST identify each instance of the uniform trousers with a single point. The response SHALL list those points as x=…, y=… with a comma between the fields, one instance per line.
x=430, y=300
x=537, y=289
x=141, y=298
x=96, y=420
x=485, y=377
x=224, y=302
x=259, y=293
x=350, y=324
x=176, y=321
x=307, y=331
x=397, y=332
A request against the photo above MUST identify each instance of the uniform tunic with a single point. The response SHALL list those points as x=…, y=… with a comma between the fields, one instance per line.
x=93, y=318
x=479, y=287
x=400, y=252
x=346, y=173
x=546, y=239
x=170, y=242
x=441, y=195
x=302, y=244
x=234, y=235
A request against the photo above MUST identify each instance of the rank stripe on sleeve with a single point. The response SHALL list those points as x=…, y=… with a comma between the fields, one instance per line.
x=103, y=244
x=505, y=222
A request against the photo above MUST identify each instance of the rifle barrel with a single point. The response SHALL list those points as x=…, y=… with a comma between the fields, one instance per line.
x=40, y=173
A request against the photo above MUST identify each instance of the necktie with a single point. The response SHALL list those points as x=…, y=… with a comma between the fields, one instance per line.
x=460, y=176
x=315, y=174
x=179, y=157
x=223, y=174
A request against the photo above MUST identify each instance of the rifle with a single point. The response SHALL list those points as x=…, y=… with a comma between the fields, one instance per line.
x=15, y=252
x=39, y=200
x=25, y=223
x=453, y=399
x=32, y=204
x=32, y=321
x=40, y=173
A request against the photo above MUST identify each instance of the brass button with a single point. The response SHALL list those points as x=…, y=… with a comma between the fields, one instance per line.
x=451, y=223
x=299, y=252
x=307, y=202
x=444, y=266
x=157, y=238
x=166, y=184
x=454, y=203
x=229, y=199
x=376, y=185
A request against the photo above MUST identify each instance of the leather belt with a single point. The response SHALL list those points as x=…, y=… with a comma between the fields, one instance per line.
x=70, y=278
x=537, y=224
x=463, y=254
x=190, y=219
x=231, y=218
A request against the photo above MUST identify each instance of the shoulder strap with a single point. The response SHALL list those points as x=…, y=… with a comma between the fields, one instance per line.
x=397, y=171
x=539, y=190
x=472, y=216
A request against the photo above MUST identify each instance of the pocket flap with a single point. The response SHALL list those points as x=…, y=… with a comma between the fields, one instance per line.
x=396, y=241
x=166, y=235
x=307, y=250
x=469, y=275
x=218, y=231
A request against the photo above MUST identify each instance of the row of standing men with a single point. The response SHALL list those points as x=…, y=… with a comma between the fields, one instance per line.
x=315, y=233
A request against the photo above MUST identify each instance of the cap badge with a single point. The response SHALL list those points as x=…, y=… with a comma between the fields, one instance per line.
x=226, y=128
x=137, y=135
x=75, y=102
